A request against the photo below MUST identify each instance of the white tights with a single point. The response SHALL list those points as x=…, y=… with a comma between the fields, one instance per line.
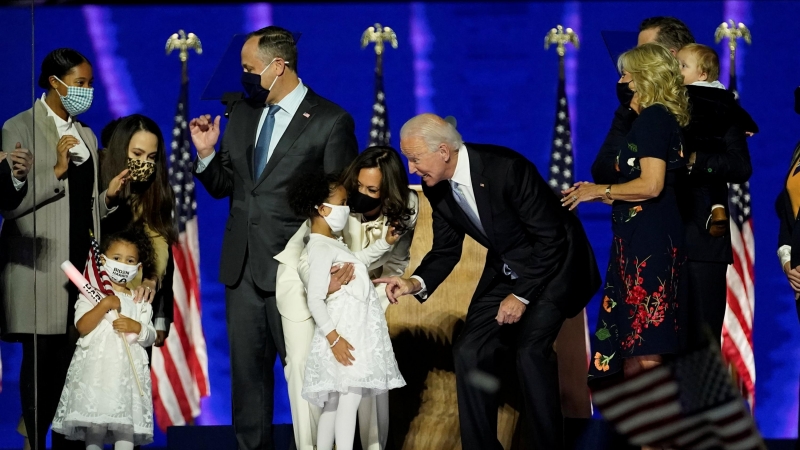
x=373, y=421
x=95, y=438
x=338, y=420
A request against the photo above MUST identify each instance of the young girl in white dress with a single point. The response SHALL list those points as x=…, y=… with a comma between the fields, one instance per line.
x=351, y=354
x=101, y=402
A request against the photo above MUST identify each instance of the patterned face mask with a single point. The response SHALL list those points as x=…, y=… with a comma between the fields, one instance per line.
x=78, y=99
x=141, y=170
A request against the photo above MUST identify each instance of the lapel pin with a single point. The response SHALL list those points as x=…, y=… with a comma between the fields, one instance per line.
x=306, y=115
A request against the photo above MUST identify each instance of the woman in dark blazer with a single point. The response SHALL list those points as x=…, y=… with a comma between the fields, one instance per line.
x=787, y=207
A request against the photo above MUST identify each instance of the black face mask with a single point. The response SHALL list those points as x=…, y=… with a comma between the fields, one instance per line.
x=252, y=87
x=624, y=94
x=361, y=203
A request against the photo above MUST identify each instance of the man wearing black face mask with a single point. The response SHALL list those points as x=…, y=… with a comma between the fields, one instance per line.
x=281, y=128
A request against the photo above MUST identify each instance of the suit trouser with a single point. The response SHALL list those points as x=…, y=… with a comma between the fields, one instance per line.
x=256, y=339
x=483, y=344
x=707, y=291
x=305, y=416
x=54, y=353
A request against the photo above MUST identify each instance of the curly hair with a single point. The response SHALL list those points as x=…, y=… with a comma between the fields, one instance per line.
x=657, y=78
x=137, y=237
x=394, y=188
x=308, y=190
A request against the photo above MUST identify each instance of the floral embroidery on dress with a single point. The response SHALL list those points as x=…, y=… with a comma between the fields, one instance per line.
x=645, y=308
x=601, y=362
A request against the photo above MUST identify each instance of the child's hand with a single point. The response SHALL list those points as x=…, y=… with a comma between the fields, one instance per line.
x=126, y=325
x=111, y=302
x=341, y=351
x=392, y=235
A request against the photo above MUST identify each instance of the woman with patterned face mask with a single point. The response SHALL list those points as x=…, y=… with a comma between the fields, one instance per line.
x=137, y=145
x=67, y=203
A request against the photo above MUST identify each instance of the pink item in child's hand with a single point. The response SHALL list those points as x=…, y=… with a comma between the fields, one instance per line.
x=93, y=295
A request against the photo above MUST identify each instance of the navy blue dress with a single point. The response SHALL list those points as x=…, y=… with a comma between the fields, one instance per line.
x=638, y=314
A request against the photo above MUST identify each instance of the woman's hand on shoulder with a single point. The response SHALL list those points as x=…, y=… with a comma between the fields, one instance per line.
x=392, y=235
x=145, y=292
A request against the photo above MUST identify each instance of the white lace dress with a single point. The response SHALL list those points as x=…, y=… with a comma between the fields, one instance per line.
x=100, y=392
x=356, y=314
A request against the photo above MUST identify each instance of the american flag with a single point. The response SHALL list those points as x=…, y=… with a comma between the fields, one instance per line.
x=688, y=403
x=180, y=367
x=737, y=330
x=562, y=171
x=94, y=272
x=562, y=174
x=379, y=125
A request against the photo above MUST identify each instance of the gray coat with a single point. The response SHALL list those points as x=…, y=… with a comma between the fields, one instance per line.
x=51, y=238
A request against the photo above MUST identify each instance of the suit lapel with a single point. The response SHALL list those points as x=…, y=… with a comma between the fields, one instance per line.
x=480, y=186
x=48, y=129
x=244, y=162
x=299, y=122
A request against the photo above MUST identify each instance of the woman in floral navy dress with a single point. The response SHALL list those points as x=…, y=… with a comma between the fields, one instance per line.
x=637, y=323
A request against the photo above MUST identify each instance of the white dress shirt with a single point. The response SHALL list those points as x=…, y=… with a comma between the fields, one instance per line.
x=78, y=154
x=463, y=177
x=289, y=106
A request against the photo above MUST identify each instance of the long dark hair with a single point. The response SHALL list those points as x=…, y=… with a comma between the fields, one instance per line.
x=394, y=188
x=154, y=197
x=59, y=63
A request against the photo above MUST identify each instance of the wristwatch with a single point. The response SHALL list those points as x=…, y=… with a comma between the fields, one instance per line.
x=608, y=192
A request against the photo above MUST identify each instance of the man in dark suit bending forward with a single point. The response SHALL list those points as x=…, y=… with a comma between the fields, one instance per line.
x=539, y=270
x=280, y=131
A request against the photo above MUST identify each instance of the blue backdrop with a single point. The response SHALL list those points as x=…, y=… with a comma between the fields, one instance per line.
x=482, y=63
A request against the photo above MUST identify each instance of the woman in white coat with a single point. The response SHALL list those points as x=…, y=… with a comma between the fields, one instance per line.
x=379, y=195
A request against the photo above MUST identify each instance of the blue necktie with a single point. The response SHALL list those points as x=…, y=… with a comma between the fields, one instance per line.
x=261, y=153
x=462, y=202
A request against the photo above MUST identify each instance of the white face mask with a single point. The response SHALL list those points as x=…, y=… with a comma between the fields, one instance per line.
x=120, y=273
x=337, y=218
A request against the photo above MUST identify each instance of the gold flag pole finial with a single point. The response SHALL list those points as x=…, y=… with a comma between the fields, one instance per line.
x=378, y=34
x=182, y=42
x=733, y=32
x=561, y=37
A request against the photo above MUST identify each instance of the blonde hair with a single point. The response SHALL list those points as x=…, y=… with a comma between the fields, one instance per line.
x=657, y=78
x=707, y=60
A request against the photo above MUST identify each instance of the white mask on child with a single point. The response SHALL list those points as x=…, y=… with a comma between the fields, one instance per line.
x=118, y=272
x=337, y=218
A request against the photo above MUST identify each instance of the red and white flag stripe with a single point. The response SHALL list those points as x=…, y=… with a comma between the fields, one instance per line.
x=737, y=331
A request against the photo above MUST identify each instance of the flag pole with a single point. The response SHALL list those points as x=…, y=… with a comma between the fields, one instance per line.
x=182, y=42
x=561, y=37
x=379, y=127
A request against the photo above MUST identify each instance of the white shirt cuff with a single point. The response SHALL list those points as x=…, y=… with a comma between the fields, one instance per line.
x=161, y=324
x=525, y=302
x=785, y=254
x=202, y=163
x=423, y=292
x=18, y=184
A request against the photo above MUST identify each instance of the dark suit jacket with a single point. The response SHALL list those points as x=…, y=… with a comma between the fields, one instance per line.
x=260, y=222
x=712, y=170
x=526, y=227
x=789, y=232
x=10, y=197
